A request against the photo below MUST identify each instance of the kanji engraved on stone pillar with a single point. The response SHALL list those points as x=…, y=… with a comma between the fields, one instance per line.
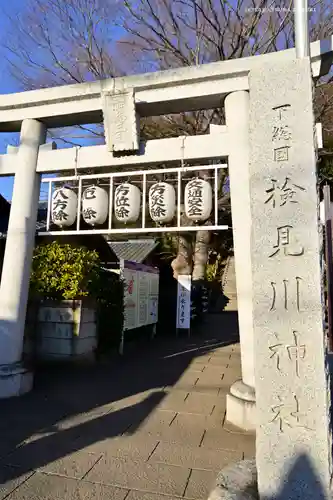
x=293, y=441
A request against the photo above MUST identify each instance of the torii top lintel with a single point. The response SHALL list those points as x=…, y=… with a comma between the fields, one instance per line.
x=171, y=91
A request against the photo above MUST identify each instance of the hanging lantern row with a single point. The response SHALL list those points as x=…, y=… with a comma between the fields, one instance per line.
x=127, y=203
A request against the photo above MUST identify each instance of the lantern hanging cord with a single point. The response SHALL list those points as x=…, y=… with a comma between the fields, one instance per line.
x=76, y=160
x=182, y=147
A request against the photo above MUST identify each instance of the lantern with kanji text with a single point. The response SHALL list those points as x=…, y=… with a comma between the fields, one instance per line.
x=127, y=203
x=64, y=207
x=95, y=204
x=162, y=202
x=198, y=199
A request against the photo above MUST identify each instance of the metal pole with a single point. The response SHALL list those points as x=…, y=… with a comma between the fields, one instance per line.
x=329, y=263
x=301, y=29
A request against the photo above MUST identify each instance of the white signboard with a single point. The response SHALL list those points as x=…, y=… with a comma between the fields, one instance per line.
x=153, y=299
x=143, y=298
x=153, y=310
x=140, y=295
x=130, y=299
x=184, y=301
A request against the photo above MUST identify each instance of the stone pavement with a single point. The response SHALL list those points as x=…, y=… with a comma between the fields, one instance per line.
x=147, y=427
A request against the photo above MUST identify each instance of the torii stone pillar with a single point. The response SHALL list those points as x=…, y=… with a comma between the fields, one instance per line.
x=241, y=399
x=14, y=288
x=293, y=407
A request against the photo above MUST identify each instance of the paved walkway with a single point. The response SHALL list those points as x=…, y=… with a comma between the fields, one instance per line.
x=148, y=427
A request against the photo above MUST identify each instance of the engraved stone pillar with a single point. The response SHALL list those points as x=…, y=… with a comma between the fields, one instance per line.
x=121, y=122
x=293, y=435
x=14, y=288
x=241, y=399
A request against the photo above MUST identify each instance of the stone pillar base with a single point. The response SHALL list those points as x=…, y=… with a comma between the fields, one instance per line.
x=15, y=380
x=241, y=406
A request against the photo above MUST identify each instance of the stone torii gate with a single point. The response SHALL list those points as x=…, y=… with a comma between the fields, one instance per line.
x=239, y=86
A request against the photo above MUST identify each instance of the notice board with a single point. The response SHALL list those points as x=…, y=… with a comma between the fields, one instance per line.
x=141, y=287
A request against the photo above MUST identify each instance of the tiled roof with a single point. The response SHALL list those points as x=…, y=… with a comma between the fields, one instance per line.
x=41, y=225
x=134, y=250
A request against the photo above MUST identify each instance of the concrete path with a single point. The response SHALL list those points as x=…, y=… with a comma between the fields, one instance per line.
x=148, y=427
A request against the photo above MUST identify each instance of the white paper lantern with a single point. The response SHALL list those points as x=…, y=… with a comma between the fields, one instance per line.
x=64, y=207
x=95, y=205
x=162, y=202
x=127, y=201
x=198, y=200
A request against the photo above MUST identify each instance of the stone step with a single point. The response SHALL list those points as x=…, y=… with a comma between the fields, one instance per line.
x=229, y=286
x=233, y=302
x=231, y=308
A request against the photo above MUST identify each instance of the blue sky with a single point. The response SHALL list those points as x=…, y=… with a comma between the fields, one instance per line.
x=7, y=85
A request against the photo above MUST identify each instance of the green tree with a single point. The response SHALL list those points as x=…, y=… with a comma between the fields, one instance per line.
x=63, y=271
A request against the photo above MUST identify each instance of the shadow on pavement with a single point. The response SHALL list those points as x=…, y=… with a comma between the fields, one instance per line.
x=73, y=393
